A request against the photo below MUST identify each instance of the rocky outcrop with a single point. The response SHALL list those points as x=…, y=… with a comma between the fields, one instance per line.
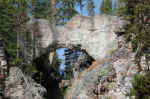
x=14, y=84
x=109, y=78
x=97, y=40
x=19, y=86
x=111, y=74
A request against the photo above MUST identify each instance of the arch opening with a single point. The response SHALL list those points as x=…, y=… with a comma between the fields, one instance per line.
x=64, y=66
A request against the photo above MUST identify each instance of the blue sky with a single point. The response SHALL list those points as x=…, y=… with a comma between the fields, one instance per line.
x=61, y=56
x=97, y=6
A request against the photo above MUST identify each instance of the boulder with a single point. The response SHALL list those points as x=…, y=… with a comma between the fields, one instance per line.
x=20, y=86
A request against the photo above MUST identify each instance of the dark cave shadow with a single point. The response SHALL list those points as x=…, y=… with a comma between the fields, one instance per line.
x=48, y=81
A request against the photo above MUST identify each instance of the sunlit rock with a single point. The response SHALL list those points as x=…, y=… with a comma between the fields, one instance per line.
x=97, y=39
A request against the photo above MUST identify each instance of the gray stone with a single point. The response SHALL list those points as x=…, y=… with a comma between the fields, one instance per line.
x=19, y=86
x=98, y=42
x=119, y=83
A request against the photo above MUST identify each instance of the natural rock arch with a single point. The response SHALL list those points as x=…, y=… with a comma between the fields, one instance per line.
x=79, y=33
x=98, y=42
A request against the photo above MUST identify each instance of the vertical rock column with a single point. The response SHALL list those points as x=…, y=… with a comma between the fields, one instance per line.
x=3, y=69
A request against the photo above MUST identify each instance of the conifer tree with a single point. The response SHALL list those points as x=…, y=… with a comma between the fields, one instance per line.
x=7, y=26
x=66, y=10
x=137, y=30
x=106, y=7
x=41, y=9
x=12, y=23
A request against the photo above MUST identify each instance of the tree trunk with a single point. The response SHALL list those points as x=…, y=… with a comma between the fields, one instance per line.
x=53, y=26
x=33, y=41
x=17, y=45
x=138, y=57
x=53, y=11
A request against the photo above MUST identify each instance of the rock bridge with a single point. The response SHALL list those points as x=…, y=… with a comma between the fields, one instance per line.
x=97, y=39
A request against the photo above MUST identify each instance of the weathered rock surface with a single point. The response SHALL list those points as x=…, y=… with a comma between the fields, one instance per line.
x=14, y=84
x=19, y=86
x=97, y=39
x=108, y=79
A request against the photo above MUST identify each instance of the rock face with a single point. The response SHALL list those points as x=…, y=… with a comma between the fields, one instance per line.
x=108, y=79
x=97, y=39
x=14, y=84
x=19, y=86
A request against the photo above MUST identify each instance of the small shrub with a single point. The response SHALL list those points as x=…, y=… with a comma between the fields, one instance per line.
x=112, y=51
x=141, y=86
x=108, y=97
x=105, y=72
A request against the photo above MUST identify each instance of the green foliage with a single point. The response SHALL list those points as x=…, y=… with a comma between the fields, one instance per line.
x=61, y=11
x=15, y=61
x=108, y=97
x=65, y=10
x=112, y=51
x=13, y=18
x=7, y=25
x=67, y=89
x=105, y=72
x=134, y=12
x=41, y=9
x=106, y=6
x=137, y=30
x=141, y=86
x=29, y=69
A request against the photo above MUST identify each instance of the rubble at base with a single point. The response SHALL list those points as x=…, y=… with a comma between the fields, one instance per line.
x=19, y=86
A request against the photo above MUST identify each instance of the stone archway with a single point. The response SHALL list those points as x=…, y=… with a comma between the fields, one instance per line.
x=98, y=43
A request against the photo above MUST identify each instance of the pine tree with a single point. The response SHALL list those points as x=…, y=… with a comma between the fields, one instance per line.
x=68, y=63
x=141, y=86
x=71, y=57
x=106, y=7
x=41, y=9
x=137, y=30
x=7, y=26
x=66, y=10
x=59, y=11
x=12, y=24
